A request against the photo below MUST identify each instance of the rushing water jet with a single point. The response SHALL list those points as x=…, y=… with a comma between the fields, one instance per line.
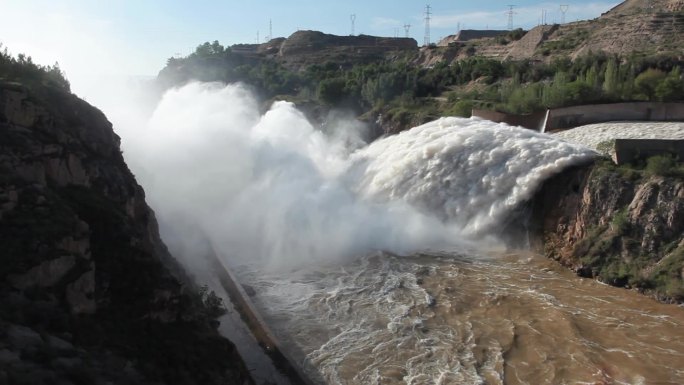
x=314, y=223
x=273, y=187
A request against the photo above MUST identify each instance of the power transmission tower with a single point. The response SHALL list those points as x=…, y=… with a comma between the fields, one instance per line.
x=352, y=17
x=270, y=29
x=427, y=25
x=563, y=9
x=510, y=13
x=257, y=39
x=406, y=29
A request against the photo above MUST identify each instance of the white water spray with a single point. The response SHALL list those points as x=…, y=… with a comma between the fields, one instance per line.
x=274, y=188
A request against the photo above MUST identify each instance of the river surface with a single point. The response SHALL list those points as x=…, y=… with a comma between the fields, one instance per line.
x=468, y=319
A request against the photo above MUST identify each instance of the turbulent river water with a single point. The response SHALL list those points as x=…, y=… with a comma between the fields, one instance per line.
x=468, y=319
x=330, y=234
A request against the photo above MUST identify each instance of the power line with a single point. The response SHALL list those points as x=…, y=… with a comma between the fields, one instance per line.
x=352, y=17
x=510, y=13
x=563, y=9
x=427, y=25
x=544, y=16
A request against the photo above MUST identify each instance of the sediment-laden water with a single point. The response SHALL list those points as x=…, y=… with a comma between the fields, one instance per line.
x=468, y=319
x=302, y=211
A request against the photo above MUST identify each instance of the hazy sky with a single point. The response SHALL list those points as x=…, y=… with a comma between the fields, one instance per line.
x=94, y=39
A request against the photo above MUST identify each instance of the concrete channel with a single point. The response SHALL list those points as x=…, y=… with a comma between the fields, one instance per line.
x=283, y=362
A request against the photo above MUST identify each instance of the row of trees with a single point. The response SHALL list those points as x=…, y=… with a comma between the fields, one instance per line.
x=601, y=80
x=23, y=69
x=512, y=86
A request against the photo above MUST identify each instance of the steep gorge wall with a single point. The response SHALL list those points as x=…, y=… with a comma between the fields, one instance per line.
x=619, y=225
x=88, y=292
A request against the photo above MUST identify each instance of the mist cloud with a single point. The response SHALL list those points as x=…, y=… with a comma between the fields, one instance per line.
x=274, y=190
x=266, y=187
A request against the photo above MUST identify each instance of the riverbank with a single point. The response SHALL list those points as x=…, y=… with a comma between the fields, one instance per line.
x=622, y=225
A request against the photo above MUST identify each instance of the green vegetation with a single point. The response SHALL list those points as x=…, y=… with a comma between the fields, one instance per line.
x=626, y=251
x=667, y=276
x=401, y=90
x=148, y=315
x=23, y=69
x=567, y=42
x=620, y=223
x=664, y=165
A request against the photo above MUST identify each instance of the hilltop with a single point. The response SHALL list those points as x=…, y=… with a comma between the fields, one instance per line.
x=633, y=52
x=634, y=27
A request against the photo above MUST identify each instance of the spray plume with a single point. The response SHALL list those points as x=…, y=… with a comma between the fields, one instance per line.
x=273, y=189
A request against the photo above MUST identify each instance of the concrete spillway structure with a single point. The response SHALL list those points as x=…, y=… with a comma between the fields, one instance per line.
x=261, y=332
x=570, y=117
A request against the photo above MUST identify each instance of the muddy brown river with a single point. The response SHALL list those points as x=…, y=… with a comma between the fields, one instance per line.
x=468, y=319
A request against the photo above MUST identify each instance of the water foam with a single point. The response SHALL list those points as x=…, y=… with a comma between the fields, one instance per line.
x=470, y=172
x=275, y=187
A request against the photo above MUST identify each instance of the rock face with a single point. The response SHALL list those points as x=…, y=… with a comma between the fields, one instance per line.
x=88, y=292
x=619, y=225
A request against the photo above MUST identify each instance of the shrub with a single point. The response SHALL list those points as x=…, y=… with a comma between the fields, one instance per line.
x=463, y=108
x=620, y=223
x=607, y=147
x=663, y=165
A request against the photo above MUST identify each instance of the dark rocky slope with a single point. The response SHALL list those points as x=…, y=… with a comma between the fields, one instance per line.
x=88, y=292
x=622, y=225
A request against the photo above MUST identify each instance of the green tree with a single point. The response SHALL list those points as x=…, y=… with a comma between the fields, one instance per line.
x=672, y=87
x=647, y=82
x=331, y=91
x=611, y=82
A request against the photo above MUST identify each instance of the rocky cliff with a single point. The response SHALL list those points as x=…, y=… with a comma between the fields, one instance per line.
x=88, y=292
x=621, y=225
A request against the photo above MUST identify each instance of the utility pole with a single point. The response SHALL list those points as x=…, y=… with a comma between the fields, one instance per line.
x=257, y=40
x=426, y=42
x=270, y=29
x=544, y=17
x=563, y=9
x=352, y=17
x=510, y=13
x=406, y=29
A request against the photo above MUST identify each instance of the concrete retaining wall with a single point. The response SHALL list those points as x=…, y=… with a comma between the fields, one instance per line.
x=569, y=117
x=261, y=332
x=628, y=150
x=533, y=121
